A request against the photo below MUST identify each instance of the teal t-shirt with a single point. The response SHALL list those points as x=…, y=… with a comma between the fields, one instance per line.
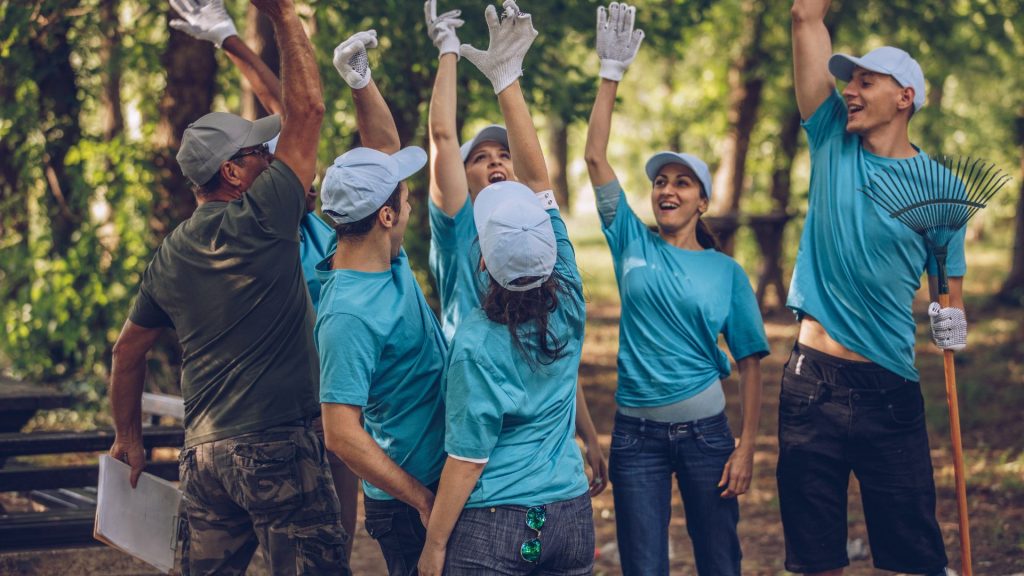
x=381, y=348
x=519, y=416
x=316, y=239
x=857, y=268
x=455, y=264
x=675, y=303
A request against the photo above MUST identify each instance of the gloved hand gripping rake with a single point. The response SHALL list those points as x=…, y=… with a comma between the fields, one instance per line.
x=936, y=198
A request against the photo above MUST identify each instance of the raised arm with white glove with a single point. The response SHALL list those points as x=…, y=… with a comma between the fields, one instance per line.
x=949, y=327
x=351, y=61
x=617, y=41
x=510, y=40
x=442, y=28
x=204, y=20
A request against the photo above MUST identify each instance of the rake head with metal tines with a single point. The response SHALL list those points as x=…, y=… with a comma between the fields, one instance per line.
x=936, y=197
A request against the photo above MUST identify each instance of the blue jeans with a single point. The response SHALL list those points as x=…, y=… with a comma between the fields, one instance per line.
x=644, y=455
x=488, y=540
x=399, y=532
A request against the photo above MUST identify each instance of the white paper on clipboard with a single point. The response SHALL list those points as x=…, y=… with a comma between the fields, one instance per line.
x=143, y=521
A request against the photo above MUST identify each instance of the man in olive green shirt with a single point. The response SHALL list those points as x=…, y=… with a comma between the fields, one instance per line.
x=229, y=281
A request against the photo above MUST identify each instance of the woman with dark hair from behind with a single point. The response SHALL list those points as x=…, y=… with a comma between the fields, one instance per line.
x=678, y=294
x=513, y=470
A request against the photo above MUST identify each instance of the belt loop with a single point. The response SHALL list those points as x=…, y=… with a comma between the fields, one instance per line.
x=799, y=363
x=643, y=425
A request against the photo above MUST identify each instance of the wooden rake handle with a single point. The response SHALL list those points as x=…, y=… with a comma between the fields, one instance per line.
x=958, y=455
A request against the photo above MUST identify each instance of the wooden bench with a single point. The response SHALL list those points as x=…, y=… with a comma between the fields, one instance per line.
x=69, y=492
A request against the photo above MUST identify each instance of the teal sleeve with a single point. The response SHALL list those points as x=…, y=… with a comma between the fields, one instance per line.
x=475, y=407
x=451, y=232
x=827, y=121
x=744, y=328
x=956, y=264
x=349, y=352
x=277, y=200
x=625, y=227
x=566, y=261
x=607, y=196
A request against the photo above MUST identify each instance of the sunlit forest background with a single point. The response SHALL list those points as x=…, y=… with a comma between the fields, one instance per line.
x=95, y=94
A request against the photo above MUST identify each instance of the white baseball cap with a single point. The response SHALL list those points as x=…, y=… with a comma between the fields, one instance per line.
x=492, y=133
x=516, y=237
x=885, y=60
x=689, y=160
x=361, y=180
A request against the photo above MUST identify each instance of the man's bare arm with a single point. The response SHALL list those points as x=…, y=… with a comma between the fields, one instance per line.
x=812, y=47
x=127, y=378
x=302, y=95
x=265, y=84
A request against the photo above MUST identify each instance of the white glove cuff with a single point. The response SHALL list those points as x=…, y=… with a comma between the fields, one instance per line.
x=505, y=74
x=449, y=47
x=223, y=31
x=357, y=82
x=612, y=70
x=547, y=199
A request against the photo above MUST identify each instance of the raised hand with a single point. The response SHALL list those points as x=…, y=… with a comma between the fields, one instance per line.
x=204, y=20
x=617, y=41
x=510, y=40
x=351, y=61
x=442, y=28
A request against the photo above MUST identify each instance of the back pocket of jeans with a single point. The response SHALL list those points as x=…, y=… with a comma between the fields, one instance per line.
x=268, y=474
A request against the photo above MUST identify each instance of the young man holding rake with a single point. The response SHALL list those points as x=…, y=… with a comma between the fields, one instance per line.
x=851, y=399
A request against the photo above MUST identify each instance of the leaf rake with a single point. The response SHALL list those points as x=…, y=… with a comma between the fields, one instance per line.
x=935, y=198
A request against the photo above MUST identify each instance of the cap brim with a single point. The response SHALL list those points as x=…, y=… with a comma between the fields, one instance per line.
x=263, y=130
x=410, y=160
x=492, y=133
x=661, y=159
x=494, y=196
x=841, y=66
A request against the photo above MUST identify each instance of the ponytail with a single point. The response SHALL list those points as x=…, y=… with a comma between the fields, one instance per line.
x=705, y=237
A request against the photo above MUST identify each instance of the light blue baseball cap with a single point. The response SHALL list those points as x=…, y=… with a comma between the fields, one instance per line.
x=885, y=60
x=689, y=160
x=492, y=133
x=361, y=180
x=516, y=237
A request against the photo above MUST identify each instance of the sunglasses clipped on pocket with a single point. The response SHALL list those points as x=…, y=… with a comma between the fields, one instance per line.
x=535, y=517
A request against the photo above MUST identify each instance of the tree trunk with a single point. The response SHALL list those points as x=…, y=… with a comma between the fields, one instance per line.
x=770, y=229
x=59, y=108
x=110, y=52
x=746, y=85
x=1012, y=291
x=191, y=69
x=558, y=159
x=260, y=36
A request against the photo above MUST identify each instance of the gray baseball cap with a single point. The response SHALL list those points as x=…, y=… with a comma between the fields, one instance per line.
x=885, y=60
x=696, y=164
x=516, y=237
x=361, y=180
x=492, y=133
x=215, y=138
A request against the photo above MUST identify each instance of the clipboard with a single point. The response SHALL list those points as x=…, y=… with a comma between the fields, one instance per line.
x=142, y=522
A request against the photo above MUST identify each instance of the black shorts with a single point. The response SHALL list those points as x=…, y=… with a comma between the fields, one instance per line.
x=838, y=416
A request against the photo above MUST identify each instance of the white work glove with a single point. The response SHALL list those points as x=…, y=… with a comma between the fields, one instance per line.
x=510, y=39
x=949, y=327
x=617, y=42
x=204, y=20
x=350, y=58
x=442, y=28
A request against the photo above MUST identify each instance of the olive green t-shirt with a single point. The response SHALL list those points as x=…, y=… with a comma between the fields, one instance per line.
x=229, y=281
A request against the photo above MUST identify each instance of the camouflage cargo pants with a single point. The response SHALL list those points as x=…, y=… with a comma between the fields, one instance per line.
x=271, y=487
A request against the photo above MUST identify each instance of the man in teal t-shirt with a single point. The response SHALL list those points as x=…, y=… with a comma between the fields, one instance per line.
x=382, y=353
x=851, y=400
